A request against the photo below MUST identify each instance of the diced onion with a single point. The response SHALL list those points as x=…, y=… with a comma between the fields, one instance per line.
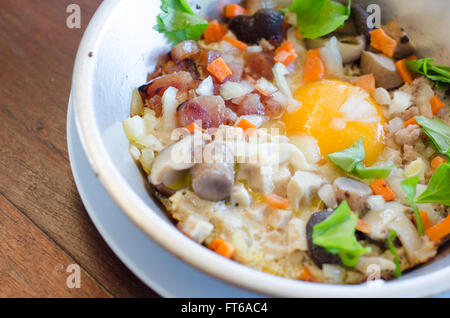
x=169, y=105
x=146, y=159
x=332, y=57
x=265, y=87
x=400, y=102
x=381, y=96
x=333, y=274
x=327, y=195
x=230, y=90
x=254, y=49
x=134, y=152
x=134, y=127
x=206, y=87
x=137, y=105
x=415, y=168
x=376, y=202
x=279, y=72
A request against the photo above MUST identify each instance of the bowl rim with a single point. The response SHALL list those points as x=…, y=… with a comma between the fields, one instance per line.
x=170, y=238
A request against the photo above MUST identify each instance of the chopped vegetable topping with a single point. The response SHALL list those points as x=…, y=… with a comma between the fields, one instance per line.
x=436, y=162
x=391, y=238
x=222, y=247
x=406, y=75
x=436, y=104
x=239, y=44
x=411, y=121
x=438, y=190
x=366, y=82
x=438, y=231
x=363, y=226
x=247, y=126
x=178, y=22
x=438, y=132
x=381, y=41
x=285, y=53
x=276, y=201
x=214, y=32
x=307, y=276
x=314, y=66
x=232, y=10
x=219, y=69
x=316, y=18
x=425, y=219
x=337, y=235
x=350, y=160
x=380, y=187
x=192, y=127
x=409, y=187
x=440, y=74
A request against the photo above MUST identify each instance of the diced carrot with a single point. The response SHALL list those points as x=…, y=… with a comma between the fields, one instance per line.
x=366, y=82
x=219, y=69
x=232, y=10
x=298, y=34
x=436, y=104
x=381, y=41
x=410, y=121
x=222, y=247
x=380, y=187
x=247, y=126
x=314, y=66
x=425, y=219
x=214, y=32
x=192, y=127
x=307, y=276
x=286, y=46
x=438, y=231
x=406, y=75
x=363, y=226
x=276, y=201
x=436, y=162
x=285, y=57
x=239, y=44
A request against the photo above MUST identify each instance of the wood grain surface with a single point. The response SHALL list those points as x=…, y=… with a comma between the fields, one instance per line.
x=43, y=225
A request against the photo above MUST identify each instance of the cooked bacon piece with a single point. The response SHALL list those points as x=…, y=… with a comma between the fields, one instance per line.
x=184, y=66
x=237, y=68
x=248, y=105
x=210, y=110
x=272, y=108
x=259, y=64
x=185, y=50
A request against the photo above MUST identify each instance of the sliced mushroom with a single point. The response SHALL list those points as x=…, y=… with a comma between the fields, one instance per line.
x=360, y=16
x=350, y=47
x=405, y=47
x=317, y=253
x=383, y=68
x=170, y=163
x=355, y=192
x=213, y=178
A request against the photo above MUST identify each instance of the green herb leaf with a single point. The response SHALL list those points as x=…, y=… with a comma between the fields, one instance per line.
x=438, y=73
x=350, y=160
x=391, y=238
x=409, y=187
x=437, y=131
x=178, y=22
x=438, y=190
x=316, y=18
x=337, y=235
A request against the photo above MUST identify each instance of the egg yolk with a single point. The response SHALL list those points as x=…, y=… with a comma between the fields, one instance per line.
x=337, y=114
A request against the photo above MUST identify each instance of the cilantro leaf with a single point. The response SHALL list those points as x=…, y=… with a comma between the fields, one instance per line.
x=438, y=73
x=438, y=190
x=178, y=22
x=337, y=235
x=350, y=160
x=391, y=238
x=409, y=187
x=316, y=18
x=437, y=131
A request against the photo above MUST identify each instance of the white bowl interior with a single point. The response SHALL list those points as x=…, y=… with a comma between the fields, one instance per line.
x=125, y=49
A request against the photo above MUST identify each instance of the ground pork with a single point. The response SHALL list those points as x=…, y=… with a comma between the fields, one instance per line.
x=409, y=154
x=410, y=113
x=407, y=135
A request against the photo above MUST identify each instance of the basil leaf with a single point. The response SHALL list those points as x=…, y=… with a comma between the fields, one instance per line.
x=350, y=160
x=438, y=190
x=438, y=73
x=391, y=238
x=437, y=131
x=409, y=187
x=337, y=235
x=316, y=18
x=178, y=22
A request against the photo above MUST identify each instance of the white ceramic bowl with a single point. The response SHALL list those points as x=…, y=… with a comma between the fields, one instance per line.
x=118, y=49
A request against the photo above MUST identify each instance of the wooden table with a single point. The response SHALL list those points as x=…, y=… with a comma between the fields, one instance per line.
x=43, y=225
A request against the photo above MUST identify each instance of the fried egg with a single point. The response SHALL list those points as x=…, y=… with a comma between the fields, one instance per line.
x=337, y=114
